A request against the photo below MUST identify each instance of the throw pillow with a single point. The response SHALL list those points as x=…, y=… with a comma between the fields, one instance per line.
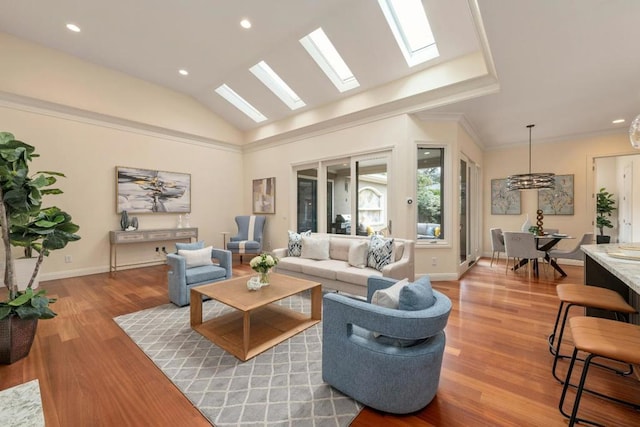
x=380, y=252
x=314, y=248
x=197, y=257
x=295, y=242
x=389, y=297
x=190, y=246
x=358, y=252
x=417, y=295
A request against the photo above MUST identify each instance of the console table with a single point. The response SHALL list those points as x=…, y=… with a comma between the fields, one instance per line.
x=117, y=238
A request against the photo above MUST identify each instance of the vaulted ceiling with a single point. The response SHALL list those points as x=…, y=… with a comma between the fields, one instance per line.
x=570, y=66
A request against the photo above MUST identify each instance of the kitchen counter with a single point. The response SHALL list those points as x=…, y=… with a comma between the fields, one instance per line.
x=621, y=275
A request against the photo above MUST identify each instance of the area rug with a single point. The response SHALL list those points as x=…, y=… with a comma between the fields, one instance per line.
x=21, y=406
x=280, y=387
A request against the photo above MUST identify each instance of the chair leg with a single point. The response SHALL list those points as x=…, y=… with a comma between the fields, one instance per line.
x=493, y=254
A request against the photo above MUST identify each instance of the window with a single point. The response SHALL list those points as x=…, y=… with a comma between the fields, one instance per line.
x=307, y=200
x=240, y=103
x=273, y=81
x=329, y=60
x=430, y=194
x=410, y=27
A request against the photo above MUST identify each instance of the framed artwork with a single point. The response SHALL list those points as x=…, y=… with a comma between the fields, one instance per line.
x=264, y=196
x=152, y=191
x=557, y=201
x=503, y=201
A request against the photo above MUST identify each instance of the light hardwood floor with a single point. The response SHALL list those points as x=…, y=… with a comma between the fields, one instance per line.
x=496, y=369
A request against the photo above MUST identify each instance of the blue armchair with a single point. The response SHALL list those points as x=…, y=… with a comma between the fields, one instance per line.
x=181, y=279
x=385, y=358
x=249, y=237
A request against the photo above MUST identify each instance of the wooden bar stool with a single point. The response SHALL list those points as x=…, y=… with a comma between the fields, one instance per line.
x=584, y=296
x=605, y=338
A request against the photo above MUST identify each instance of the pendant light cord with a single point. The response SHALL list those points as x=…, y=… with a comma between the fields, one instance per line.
x=530, y=126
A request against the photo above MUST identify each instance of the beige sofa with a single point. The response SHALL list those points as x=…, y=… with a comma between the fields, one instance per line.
x=336, y=273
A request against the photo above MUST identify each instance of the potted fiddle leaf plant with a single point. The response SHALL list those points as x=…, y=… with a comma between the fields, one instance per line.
x=605, y=205
x=25, y=223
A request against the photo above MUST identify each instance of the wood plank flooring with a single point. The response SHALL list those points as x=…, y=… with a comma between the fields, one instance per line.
x=496, y=370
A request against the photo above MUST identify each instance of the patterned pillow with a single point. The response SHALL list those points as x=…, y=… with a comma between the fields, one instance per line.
x=295, y=242
x=380, y=252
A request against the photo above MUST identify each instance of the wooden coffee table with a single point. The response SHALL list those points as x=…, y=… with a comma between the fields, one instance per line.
x=258, y=324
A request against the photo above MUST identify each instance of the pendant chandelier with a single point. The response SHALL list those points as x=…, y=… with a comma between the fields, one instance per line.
x=531, y=181
x=634, y=132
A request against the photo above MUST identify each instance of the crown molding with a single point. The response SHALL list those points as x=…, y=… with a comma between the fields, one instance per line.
x=64, y=112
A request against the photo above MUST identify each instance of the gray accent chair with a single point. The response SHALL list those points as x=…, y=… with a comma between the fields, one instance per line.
x=397, y=371
x=497, y=244
x=249, y=237
x=521, y=246
x=575, y=253
x=181, y=279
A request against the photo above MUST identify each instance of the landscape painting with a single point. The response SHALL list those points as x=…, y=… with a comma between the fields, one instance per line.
x=503, y=201
x=557, y=201
x=152, y=191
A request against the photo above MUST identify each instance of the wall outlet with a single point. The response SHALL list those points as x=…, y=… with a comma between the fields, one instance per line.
x=434, y=261
x=68, y=259
x=157, y=249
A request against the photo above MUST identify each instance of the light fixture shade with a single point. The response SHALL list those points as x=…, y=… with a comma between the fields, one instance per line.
x=531, y=181
x=634, y=132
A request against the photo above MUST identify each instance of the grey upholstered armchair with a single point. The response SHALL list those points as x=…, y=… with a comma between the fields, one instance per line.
x=182, y=278
x=387, y=359
x=249, y=237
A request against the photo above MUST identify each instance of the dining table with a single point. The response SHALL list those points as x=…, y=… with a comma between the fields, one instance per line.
x=545, y=243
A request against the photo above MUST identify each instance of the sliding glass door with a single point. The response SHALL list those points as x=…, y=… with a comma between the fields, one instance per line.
x=352, y=193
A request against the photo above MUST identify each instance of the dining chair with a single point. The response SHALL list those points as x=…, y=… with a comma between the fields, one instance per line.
x=575, y=253
x=521, y=245
x=497, y=244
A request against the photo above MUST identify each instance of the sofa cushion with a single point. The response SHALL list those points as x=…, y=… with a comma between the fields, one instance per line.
x=295, y=242
x=292, y=263
x=417, y=295
x=358, y=252
x=207, y=273
x=315, y=248
x=339, y=248
x=380, y=252
x=389, y=297
x=326, y=269
x=190, y=246
x=357, y=276
x=196, y=257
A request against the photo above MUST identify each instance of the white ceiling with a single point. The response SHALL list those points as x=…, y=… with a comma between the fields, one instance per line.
x=570, y=66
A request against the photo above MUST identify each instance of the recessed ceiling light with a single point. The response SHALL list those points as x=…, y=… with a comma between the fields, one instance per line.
x=615, y=122
x=183, y=72
x=73, y=27
x=245, y=23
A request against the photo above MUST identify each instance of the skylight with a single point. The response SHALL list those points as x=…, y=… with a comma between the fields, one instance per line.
x=410, y=26
x=273, y=81
x=240, y=103
x=329, y=60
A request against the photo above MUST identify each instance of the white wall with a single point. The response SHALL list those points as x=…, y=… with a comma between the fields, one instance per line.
x=575, y=157
x=398, y=134
x=88, y=154
x=85, y=120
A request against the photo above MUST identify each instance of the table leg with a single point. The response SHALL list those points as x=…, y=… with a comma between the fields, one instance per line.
x=316, y=303
x=195, y=308
x=555, y=265
x=246, y=335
